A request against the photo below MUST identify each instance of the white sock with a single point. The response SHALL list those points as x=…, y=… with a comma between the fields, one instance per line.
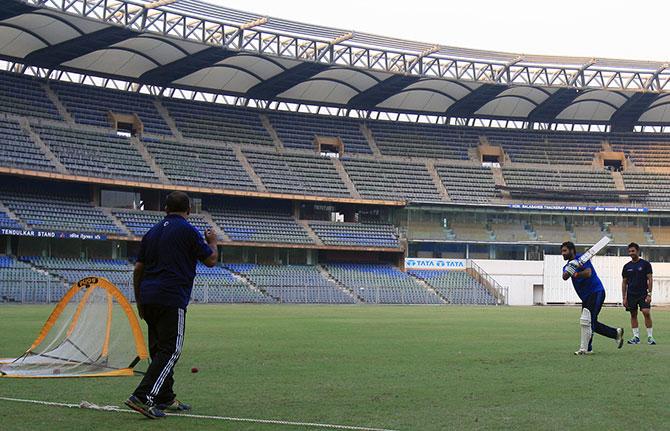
x=636, y=332
x=650, y=332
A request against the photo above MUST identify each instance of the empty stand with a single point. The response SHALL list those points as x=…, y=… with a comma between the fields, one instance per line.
x=96, y=154
x=259, y=225
x=297, y=174
x=215, y=122
x=356, y=234
x=376, y=179
x=657, y=186
x=53, y=211
x=20, y=282
x=644, y=150
x=23, y=95
x=91, y=105
x=199, y=164
x=294, y=283
x=457, y=287
x=219, y=285
x=299, y=130
x=17, y=150
x=139, y=222
x=381, y=284
x=423, y=140
x=468, y=183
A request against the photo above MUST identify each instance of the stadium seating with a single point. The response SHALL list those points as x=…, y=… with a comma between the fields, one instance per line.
x=656, y=184
x=553, y=233
x=644, y=150
x=470, y=230
x=377, y=179
x=20, y=282
x=219, y=285
x=294, y=283
x=661, y=234
x=553, y=179
x=139, y=222
x=8, y=223
x=468, y=183
x=535, y=147
x=23, y=95
x=457, y=287
x=622, y=234
x=201, y=164
x=297, y=174
x=381, y=284
x=423, y=140
x=96, y=154
x=52, y=211
x=259, y=225
x=119, y=272
x=356, y=234
x=511, y=231
x=299, y=130
x=91, y=105
x=17, y=150
x=588, y=234
x=217, y=122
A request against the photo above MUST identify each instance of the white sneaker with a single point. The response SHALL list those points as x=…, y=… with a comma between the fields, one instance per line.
x=583, y=352
x=619, y=338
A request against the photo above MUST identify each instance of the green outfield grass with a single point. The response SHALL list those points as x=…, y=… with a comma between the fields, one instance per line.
x=404, y=368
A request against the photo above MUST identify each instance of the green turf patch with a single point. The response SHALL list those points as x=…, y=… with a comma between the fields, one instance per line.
x=405, y=368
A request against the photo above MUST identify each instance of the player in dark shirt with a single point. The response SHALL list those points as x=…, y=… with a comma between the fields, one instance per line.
x=636, y=290
x=590, y=290
x=163, y=279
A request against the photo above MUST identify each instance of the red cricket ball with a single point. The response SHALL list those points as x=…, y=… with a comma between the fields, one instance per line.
x=194, y=370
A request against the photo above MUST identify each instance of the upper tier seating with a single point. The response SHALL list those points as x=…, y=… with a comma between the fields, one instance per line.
x=568, y=148
x=423, y=140
x=299, y=130
x=658, y=186
x=203, y=165
x=468, y=183
x=217, y=122
x=24, y=95
x=259, y=225
x=91, y=105
x=139, y=222
x=458, y=287
x=8, y=223
x=17, y=149
x=552, y=179
x=644, y=150
x=381, y=284
x=96, y=154
x=294, y=283
x=50, y=211
x=356, y=234
x=304, y=174
x=376, y=179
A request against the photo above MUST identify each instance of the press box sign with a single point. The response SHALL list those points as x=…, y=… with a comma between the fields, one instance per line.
x=434, y=264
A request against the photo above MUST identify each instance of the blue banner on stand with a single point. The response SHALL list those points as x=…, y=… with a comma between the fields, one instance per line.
x=52, y=234
x=583, y=208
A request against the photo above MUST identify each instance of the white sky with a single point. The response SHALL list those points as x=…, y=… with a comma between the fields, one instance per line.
x=636, y=30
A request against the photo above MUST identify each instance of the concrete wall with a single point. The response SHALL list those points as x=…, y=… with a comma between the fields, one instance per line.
x=520, y=276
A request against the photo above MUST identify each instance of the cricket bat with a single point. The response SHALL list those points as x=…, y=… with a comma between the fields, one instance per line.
x=588, y=254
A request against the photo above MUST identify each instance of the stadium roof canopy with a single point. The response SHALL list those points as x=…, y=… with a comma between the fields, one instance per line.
x=193, y=45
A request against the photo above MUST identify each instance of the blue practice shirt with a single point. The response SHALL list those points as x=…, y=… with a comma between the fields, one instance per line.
x=170, y=251
x=636, y=274
x=586, y=286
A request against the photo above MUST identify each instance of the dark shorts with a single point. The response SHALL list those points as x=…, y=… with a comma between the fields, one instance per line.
x=636, y=300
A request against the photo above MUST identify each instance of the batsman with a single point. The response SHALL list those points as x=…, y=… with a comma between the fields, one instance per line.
x=592, y=293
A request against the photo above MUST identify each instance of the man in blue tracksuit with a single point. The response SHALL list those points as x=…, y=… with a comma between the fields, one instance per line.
x=592, y=293
x=163, y=279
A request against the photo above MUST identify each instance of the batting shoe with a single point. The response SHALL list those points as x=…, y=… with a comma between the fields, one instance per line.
x=634, y=340
x=152, y=412
x=651, y=341
x=619, y=338
x=175, y=406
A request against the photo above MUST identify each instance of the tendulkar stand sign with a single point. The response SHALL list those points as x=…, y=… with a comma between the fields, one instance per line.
x=50, y=234
x=435, y=264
